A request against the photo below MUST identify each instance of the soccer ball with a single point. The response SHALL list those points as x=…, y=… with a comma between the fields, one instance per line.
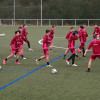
x=0, y=67
x=53, y=71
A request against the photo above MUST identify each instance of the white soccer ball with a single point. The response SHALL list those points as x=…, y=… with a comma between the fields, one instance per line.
x=53, y=71
x=0, y=67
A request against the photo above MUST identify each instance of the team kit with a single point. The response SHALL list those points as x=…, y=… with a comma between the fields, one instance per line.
x=20, y=38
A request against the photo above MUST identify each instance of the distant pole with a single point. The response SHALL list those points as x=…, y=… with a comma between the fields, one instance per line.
x=41, y=12
x=14, y=13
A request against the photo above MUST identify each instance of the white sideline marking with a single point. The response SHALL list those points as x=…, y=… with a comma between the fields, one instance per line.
x=40, y=42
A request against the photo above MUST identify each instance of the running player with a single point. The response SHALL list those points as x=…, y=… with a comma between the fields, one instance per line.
x=15, y=47
x=46, y=44
x=71, y=43
x=51, y=36
x=24, y=35
x=95, y=44
x=82, y=36
x=96, y=31
x=67, y=37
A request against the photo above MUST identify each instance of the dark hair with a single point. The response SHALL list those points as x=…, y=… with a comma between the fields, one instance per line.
x=94, y=36
x=81, y=27
x=24, y=25
x=71, y=28
x=75, y=32
x=16, y=32
x=47, y=31
x=53, y=26
x=20, y=27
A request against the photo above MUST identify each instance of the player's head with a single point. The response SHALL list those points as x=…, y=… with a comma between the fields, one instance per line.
x=84, y=25
x=81, y=27
x=47, y=32
x=95, y=25
x=17, y=33
x=53, y=27
x=24, y=26
x=20, y=29
x=72, y=29
x=75, y=32
x=94, y=36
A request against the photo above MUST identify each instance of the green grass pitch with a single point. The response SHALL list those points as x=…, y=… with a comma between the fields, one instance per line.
x=70, y=83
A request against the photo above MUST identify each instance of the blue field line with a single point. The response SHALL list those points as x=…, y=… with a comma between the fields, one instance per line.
x=34, y=71
x=15, y=70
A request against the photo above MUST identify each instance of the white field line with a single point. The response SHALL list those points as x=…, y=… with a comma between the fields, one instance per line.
x=40, y=42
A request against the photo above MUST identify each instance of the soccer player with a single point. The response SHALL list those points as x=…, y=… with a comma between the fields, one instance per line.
x=15, y=47
x=24, y=35
x=95, y=44
x=82, y=36
x=71, y=44
x=67, y=37
x=51, y=36
x=96, y=31
x=46, y=44
x=21, y=39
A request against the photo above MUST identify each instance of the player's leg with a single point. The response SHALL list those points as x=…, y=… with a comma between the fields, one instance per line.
x=38, y=60
x=47, y=60
x=10, y=56
x=28, y=43
x=51, y=46
x=65, y=53
x=80, y=48
x=83, y=51
x=22, y=53
x=73, y=60
x=89, y=65
x=19, y=54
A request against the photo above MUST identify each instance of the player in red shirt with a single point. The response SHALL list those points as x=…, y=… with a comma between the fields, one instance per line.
x=96, y=31
x=71, y=44
x=24, y=35
x=67, y=37
x=82, y=36
x=15, y=47
x=21, y=39
x=45, y=46
x=51, y=36
x=95, y=44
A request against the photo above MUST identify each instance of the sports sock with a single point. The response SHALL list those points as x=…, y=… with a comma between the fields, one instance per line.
x=28, y=44
x=50, y=49
x=76, y=55
x=39, y=59
x=16, y=60
x=47, y=63
x=70, y=58
x=22, y=56
x=83, y=51
x=88, y=70
x=6, y=59
x=73, y=58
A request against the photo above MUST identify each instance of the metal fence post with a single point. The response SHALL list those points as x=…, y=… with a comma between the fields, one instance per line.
x=12, y=22
x=88, y=22
x=24, y=21
x=62, y=23
x=75, y=22
x=49, y=22
x=0, y=21
x=37, y=22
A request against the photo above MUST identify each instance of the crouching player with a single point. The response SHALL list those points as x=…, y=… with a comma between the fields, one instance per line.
x=95, y=44
x=15, y=46
x=46, y=44
x=71, y=47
